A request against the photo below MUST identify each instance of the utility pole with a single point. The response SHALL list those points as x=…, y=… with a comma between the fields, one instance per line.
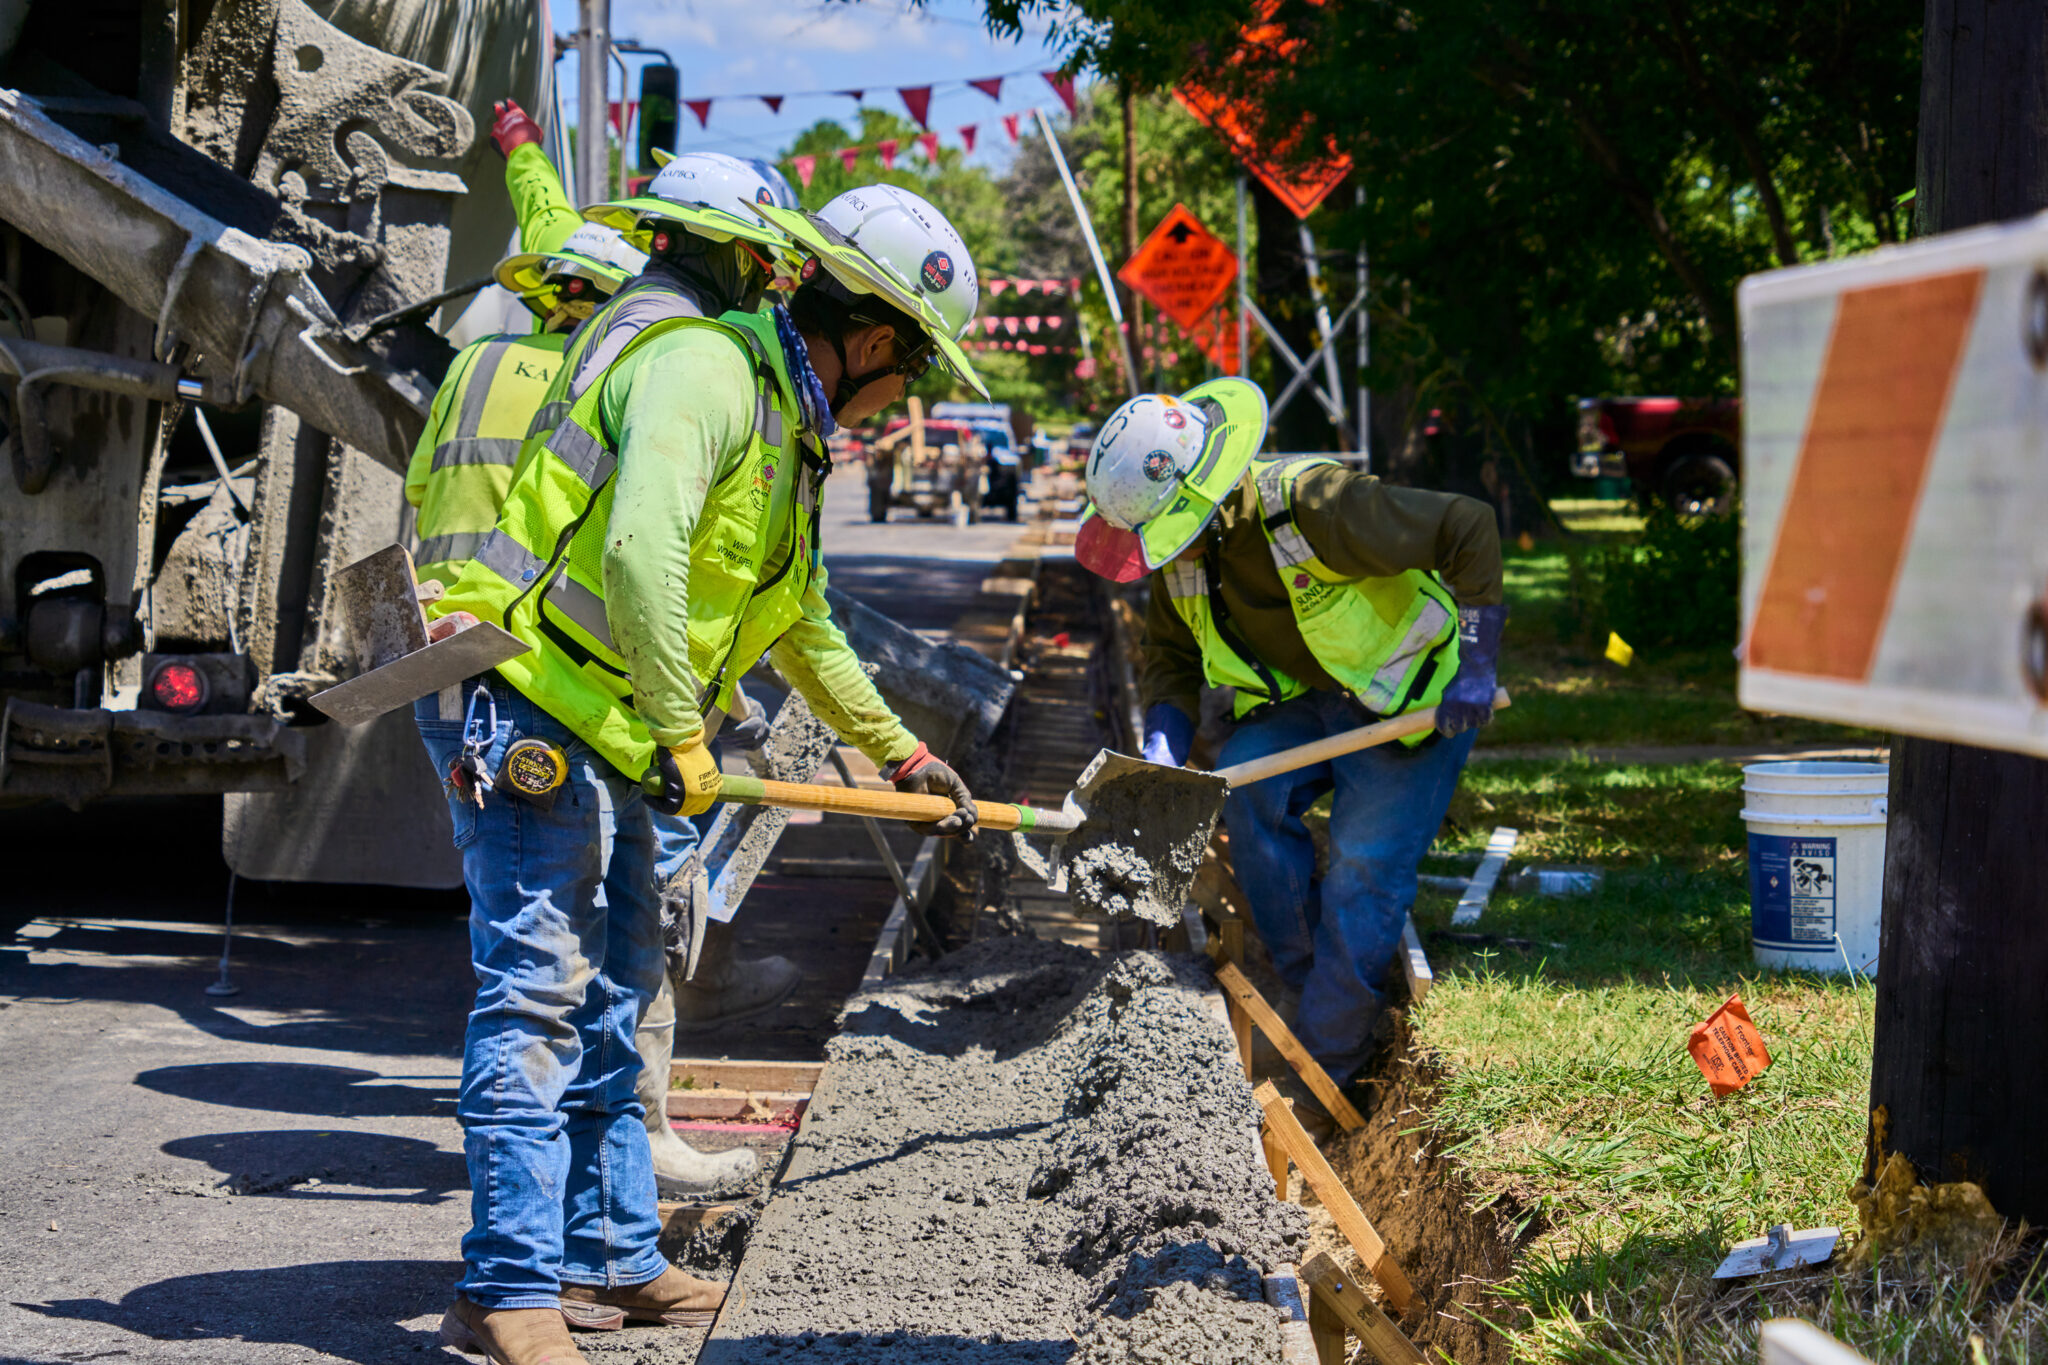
x=1134, y=307
x=593, y=107
x=1962, y=1017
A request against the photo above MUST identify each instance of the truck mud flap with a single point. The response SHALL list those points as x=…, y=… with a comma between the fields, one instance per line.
x=55, y=753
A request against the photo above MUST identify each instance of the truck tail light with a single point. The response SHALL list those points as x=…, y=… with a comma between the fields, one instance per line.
x=178, y=687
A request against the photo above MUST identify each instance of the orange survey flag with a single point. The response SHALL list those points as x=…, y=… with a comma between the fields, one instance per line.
x=1727, y=1048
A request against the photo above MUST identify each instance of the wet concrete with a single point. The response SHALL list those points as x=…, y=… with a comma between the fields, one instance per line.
x=1025, y=1152
x=1148, y=826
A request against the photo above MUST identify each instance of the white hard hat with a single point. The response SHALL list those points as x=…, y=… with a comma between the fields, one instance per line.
x=884, y=240
x=1159, y=469
x=785, y=193
x=704, y=192
x=544, y=280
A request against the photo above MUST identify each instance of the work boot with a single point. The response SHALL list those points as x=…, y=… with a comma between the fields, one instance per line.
x=509, y=1336
x=680, y=1170
x=727, y=988
x=673, y=1300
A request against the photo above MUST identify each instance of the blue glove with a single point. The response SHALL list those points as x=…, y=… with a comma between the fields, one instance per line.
x=1468, y=702
x=1168, y=734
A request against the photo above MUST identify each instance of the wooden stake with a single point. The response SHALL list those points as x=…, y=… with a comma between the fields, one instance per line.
x=1327, y=1330
x=1276, y=1160
x=1247, y=998
x=1240, y=1029
x=1344, y=1211
x=1335, y=1292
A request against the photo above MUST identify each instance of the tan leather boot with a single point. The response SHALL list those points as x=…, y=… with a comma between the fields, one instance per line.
x=509, y=1336
x=673, y=1300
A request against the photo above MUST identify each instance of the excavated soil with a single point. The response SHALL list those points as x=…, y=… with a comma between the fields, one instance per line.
x=1028, y=1153
x=1421, y=1204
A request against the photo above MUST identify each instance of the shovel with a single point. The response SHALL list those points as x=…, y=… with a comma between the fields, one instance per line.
x=1133, y=832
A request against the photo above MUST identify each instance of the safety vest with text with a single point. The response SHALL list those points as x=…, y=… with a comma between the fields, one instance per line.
x=753, y=555
x=1391, y=642
x=462, y=467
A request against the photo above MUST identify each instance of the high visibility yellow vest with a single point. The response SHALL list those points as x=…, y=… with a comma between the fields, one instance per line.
x=754, y=553
x=460, y=472
x=1391, y=642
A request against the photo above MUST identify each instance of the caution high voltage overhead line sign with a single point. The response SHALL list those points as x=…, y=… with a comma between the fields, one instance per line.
x=1895, y=444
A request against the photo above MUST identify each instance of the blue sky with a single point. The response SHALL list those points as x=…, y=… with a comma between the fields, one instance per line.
x=745, y=47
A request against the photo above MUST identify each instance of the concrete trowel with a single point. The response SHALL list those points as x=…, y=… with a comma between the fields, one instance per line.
x=1130, y=836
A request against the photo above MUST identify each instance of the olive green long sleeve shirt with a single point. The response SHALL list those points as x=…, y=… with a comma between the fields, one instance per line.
x=1357, y=525
x=683, y=409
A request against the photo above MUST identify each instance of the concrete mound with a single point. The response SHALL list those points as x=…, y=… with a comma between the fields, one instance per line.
x=1028, y=1153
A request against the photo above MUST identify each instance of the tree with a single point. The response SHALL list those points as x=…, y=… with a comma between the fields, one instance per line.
x=1961, y=1013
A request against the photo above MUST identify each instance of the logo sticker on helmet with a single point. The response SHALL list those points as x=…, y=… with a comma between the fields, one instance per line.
x=937, y=272
x=1159, y=466
x=810, y=267
x=761, y=196
x=1173, y=419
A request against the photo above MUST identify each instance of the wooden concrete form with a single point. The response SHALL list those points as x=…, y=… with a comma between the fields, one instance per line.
x=1499, y=848
x=1344, y=1211
x=1343, y=1306
x=1415, y=963
x=1297, y=1339
x=1249, y=1009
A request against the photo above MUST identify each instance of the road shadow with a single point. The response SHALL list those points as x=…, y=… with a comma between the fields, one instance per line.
x=340, y=1092
x=347, y=1309
x=285, y=1159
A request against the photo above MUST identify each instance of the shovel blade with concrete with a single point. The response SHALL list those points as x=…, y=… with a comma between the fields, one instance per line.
x=1146, y=826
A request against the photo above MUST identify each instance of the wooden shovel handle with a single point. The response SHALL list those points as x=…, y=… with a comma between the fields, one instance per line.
x=890, y=805
x=1336, y=746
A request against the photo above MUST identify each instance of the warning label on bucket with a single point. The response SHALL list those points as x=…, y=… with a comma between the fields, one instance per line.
x=1792, y=891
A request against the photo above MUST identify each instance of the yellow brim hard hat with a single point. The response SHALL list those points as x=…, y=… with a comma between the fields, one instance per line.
x=635, y=218
x=861, y=273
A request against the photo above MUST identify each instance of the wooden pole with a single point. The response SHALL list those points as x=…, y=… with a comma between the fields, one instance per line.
x=1134, y=307
x=1962, y=1019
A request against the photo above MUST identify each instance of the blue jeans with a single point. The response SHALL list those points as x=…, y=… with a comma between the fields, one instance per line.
x=565, y=940
x=1333, y=939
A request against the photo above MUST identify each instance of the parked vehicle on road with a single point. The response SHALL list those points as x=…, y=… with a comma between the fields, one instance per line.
x=1684, y=451
x=1003, y=468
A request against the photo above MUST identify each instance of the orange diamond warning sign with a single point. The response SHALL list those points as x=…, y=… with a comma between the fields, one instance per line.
x=1182, y=267
x=1727, y=1048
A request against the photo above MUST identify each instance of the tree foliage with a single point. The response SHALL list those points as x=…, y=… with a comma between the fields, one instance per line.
x=1560, y=197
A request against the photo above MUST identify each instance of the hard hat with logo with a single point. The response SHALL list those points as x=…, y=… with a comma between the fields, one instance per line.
x=1159, y=469
x=785, y=193
x=701, y=192
x=884, y=240
x=596, y=256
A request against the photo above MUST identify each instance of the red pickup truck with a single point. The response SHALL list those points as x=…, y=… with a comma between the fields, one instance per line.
x=1686, y=451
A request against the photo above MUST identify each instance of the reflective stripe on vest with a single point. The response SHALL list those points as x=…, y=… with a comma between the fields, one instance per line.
x=1377, y=637
x=540, y=573
x=500, y=380
x=597, y=345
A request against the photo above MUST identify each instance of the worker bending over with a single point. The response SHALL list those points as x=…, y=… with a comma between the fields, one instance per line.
x=1327, y=600
x=659, y=536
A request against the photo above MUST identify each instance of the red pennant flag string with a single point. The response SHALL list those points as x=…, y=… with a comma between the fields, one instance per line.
x=1009, y=124
x=1026, y=286
x=887, y=147
x=930, y=143
x=967, y=136
x=806, y=167
x=702, y=109
x=847, y=156
x=854, y=95
x=774, y=103
x=991, y=86
x=1031, y=325
x=918, y=100
x=1063, y=86
x=997, y=286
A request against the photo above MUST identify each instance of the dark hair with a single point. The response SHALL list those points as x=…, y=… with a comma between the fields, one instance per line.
x=836, y=316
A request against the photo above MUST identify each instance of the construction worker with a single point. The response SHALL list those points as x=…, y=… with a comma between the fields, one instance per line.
x=659, y=537
x=539, y=203
x=1327, y=599
x=464, y=460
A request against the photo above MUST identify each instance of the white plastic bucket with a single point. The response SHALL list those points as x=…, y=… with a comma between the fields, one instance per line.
x=1816, y=863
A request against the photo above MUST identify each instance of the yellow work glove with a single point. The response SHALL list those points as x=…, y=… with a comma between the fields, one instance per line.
x=683, y=781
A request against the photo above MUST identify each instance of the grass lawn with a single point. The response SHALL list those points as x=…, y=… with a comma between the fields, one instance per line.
x=1568, y=1096
x=1568, y=693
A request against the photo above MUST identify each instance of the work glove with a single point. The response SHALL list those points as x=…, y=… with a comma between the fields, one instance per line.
x=1168, y=734
x=751, y=731
x=513, y=127
x=923, y=774
x=683, y=781
x=1468, y=702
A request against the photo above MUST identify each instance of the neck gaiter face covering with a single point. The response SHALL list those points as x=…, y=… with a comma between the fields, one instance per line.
x=810, y=390
x=718, y=276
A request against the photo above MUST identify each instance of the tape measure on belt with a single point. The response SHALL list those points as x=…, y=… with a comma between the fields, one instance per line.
x=534, y=767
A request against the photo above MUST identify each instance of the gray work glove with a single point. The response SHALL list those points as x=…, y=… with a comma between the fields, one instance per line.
x=922, y=774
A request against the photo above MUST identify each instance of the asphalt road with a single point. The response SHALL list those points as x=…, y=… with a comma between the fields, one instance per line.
x=275, y=1176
